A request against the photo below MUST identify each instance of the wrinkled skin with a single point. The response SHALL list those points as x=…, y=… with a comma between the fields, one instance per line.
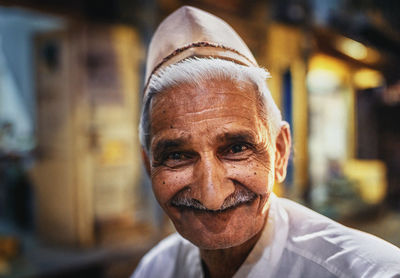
x=207, y=143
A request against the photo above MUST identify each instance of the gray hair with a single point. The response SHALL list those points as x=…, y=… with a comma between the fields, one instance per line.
x=196, y=71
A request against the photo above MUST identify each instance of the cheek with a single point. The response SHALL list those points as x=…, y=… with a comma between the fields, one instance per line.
x=166, y=183
x=255, y=175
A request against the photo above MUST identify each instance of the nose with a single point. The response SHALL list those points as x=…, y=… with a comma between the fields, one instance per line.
x=212, y=186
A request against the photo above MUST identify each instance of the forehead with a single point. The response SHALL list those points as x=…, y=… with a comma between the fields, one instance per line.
x=189, y=109
x=202, y=95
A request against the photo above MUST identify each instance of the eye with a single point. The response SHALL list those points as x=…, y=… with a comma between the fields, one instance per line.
x=177, y=159
x=237, y=148
x=175, y=156
x=237, y=151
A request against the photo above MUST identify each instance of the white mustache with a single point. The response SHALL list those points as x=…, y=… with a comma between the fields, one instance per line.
x=235, y=199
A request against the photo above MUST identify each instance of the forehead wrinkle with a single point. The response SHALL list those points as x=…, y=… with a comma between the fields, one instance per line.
x=184, y=121
x=209, y=118
x=226, y=91
x=219, y=87
x=221, y=97
x=221, y=90
x=188, y=105
x=250, y=95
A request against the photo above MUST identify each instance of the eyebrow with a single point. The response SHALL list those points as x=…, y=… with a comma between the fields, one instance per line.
x=245, y=136
x=165, y=144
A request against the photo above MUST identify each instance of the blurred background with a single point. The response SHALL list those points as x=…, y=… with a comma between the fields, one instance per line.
x=74, y=199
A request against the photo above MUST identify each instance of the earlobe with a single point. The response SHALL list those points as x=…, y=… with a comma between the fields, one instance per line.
x=282, y=152
x=146, y=161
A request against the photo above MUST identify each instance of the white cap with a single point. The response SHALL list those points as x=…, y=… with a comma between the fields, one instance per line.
x=191, y=32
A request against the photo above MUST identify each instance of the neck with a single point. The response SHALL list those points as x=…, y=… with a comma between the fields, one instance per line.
x=225, y=262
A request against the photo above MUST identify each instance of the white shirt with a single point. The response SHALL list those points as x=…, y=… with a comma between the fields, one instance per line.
x=296, y=242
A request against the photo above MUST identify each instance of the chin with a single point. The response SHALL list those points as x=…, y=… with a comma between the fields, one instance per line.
x=218, y=242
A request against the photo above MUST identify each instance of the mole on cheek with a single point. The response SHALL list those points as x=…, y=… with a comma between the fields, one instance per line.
x=163, y=182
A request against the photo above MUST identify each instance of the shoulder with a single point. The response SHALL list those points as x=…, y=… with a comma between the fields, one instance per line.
x=320, y=241
x=161, y=261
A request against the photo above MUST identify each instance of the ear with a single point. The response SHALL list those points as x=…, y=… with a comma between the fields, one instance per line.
x=146, y=161
x=282, y=152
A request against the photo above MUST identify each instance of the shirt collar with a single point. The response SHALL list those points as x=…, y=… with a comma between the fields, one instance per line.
x=264, y=257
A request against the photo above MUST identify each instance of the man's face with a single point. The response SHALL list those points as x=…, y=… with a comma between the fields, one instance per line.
x=211, y=162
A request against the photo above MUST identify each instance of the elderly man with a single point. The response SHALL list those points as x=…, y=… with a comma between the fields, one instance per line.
x=214, y=144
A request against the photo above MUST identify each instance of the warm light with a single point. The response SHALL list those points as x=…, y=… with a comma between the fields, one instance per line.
x=322, y=81
x=326, y=74
x=373, y=56
x=370, y=178
x=352, y=48
x=367, y=78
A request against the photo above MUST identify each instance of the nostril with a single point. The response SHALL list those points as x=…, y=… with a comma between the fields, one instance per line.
x=214, y=194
